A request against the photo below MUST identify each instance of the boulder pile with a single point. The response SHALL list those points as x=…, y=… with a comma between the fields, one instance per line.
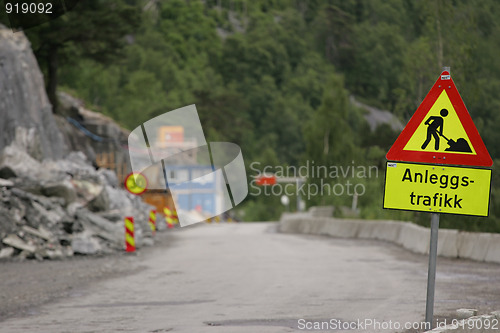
x=59, y=208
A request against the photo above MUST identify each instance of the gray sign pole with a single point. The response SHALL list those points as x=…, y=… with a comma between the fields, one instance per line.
x=431, y=275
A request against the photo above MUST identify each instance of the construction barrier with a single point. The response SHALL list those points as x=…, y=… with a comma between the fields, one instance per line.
x=480, y=246
x=169, y=217
x=129, y=234
x=152, y=221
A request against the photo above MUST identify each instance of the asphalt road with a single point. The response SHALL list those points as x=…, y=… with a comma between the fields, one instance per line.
x=248, y=278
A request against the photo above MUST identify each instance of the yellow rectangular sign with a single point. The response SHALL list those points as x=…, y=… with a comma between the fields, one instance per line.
x=437, y=188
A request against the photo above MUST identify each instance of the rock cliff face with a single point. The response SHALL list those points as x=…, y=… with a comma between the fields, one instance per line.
x=25, y=112
x=90, y=132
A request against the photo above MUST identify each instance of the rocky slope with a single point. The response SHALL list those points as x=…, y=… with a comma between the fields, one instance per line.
x=53, y=202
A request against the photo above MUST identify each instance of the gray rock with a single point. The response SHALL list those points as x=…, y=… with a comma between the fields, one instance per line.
x=50, y=218
x=28, y=185
x=16, y=208
x=76, y=140
x=130, y=205
x=119, y=200
x=99, y=226
x=39, y=255
x=87, y=190
x=17, y=214
x=6, y=183
x=24, y=106
x=77, y=165
x=95, y=220
x=466, y=313
x=41, y=232
x=97, y=124
x=79, y=158
x=6, y=252
x=16, y=242
x=108, y=177
x=100, y=203
x=496, y=314
x=160, y=223
x=55, y=254
x=23, y=255
x=112, y=215
x=27, y=197
x=8, y=223
x=67, y=251
x=15, y=162
x=376, y=117
x=85, y=243
x=62, y=189
x=73, y=207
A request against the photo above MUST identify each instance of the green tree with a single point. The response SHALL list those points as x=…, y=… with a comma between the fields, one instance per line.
x=94, y=29
x=329, y=140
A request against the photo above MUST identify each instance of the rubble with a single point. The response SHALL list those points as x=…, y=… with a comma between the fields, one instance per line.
x=64, y=208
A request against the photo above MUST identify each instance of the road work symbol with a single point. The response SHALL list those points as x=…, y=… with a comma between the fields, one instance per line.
x=434, y=123
x=435, y=129
x=440, y=130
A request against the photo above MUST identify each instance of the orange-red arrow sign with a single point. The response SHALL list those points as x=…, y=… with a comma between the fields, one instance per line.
x=441, y=131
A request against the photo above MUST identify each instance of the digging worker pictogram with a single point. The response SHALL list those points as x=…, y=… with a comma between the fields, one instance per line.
x=435, y=123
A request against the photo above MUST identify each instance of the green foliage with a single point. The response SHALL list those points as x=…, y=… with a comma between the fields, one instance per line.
x=276, y=76
x=93, y=29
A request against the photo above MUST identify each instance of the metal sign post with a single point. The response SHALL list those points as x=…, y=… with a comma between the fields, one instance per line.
x=431, y=275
